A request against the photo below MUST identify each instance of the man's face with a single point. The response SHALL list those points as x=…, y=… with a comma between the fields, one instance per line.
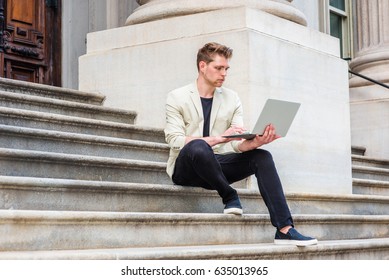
x=215, y=72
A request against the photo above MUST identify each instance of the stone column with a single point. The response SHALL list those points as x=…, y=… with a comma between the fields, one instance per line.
x=369, y=103
x=151, y=10
x=372, y=44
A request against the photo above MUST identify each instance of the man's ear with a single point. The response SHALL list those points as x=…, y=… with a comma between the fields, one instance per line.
x=202, y=65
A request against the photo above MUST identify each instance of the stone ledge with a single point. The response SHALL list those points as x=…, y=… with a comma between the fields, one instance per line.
x=57, y=106
x=50, y=91
x=358, y=150
x=47, y=230
x=370, y=187
x=26, y=118
x=370, y=161
x=68, y=166
x=372, y=173
x=78, y=159
x=76, y=143
x=64, y=194
x=358, y=249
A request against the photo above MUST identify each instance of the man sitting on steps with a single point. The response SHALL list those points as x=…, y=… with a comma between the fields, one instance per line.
x=197, y=117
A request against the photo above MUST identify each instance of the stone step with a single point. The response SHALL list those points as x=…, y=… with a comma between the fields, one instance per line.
x=48, y=121
x=358, y=150
x=371, y=162
x=370, y=173
x=370, y=187
x=64, y=107
x=24, y=138
x=50, y=91
x=72, y=230
x=68, y=166
x=26, y=193
x=353, y=249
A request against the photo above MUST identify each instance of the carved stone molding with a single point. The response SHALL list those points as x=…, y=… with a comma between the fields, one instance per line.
x=151, y=10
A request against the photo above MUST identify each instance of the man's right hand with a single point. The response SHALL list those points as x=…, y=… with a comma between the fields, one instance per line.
x=233, y=130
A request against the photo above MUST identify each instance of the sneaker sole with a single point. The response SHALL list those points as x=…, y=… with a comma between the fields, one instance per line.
x=235, y=211
x=300, y=243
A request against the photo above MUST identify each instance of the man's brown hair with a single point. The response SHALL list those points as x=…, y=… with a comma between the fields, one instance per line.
x=207, y=52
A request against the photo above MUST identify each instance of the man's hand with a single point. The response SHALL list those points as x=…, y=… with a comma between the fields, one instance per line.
x=215, y=140
x=232, y=131
x=268, y=136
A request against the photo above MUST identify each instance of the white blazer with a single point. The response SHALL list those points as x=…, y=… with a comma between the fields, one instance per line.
x=184, y=117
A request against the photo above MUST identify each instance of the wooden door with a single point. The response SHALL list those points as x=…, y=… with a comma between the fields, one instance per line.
x=30, y=45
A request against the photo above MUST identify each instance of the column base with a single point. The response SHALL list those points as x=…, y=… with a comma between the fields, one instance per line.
x=157, y=9
x=369, y=109
x=374, y=65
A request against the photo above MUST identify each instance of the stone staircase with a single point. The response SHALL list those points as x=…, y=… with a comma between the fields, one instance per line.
x=83, y=181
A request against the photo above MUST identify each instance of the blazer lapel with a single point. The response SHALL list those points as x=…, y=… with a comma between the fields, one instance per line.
x=195, y=96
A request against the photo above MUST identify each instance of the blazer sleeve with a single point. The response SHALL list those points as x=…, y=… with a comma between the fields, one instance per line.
x=175, y=126
x=237, y=120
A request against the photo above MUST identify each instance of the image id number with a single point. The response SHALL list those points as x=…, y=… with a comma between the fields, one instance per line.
x=225, y=271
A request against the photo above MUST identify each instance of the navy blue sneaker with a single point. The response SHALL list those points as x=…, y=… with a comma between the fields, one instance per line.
x=233, y=207
x=293, y=237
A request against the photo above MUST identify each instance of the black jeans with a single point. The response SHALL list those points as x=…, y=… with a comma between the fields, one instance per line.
x=197, y=165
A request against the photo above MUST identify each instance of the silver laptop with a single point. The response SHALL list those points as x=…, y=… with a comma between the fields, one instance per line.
x=279, y=113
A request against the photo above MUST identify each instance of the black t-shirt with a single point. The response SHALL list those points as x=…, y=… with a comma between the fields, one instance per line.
x=207, y=106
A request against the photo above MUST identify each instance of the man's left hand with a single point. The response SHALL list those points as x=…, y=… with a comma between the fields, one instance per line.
x=269, y=135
